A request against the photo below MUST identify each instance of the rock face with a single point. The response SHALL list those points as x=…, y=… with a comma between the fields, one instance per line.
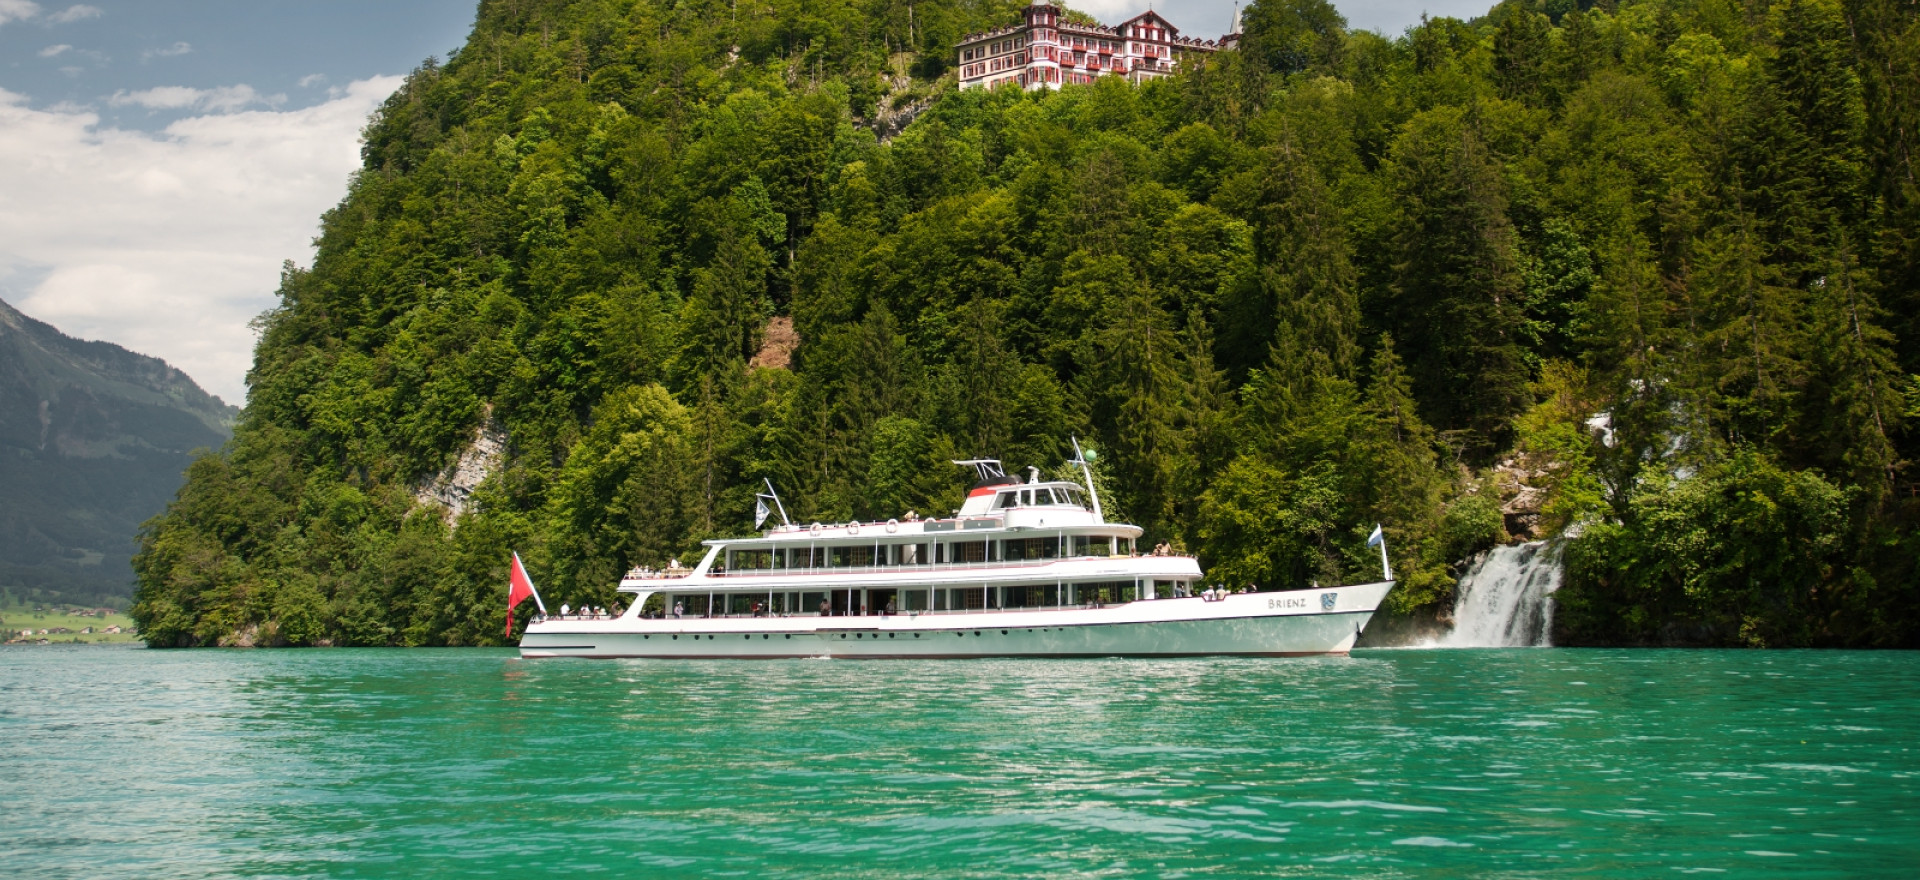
x=777, y=345
x=94, y=440
x=1520, y=500
x=453, y=488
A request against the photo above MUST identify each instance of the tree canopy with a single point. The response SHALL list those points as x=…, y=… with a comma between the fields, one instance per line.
x=1661, y=255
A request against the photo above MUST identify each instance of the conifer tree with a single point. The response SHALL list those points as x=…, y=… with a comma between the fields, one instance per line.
x=1305, y=271
x=1456, y=283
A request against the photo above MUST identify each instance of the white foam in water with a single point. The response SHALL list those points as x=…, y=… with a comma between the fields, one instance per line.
x=1504, y=601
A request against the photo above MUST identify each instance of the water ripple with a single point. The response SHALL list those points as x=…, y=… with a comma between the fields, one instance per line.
x=1393, y=763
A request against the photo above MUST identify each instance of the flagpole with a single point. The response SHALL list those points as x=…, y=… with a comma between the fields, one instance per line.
x=776, y=502
x=536, y=590
x=1379, y=536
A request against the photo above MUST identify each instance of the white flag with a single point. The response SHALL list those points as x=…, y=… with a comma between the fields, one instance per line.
x=760, y=510
x=1374, y=539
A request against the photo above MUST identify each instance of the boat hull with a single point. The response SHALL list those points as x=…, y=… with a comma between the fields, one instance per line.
x=1297, y=623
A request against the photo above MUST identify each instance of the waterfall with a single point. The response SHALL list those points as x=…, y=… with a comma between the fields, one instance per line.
x=1504, y=601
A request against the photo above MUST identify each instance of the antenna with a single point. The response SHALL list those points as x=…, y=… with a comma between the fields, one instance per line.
x=987, y=468
x=1080, y=458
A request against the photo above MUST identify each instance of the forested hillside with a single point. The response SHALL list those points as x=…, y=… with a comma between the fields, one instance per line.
x=1659, y=260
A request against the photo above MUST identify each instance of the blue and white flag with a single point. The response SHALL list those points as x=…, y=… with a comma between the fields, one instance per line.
x=760, y=510
x=1376, y=538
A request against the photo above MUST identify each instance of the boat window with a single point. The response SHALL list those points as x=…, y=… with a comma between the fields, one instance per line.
x=843, y=557
x=1032, y=548
x=967, y=551
x=1007, y=499
x=749, y=560
x=1026, y=497
x=1033, y=596
x=1092, y=545
x=1103, y=592
x=1042, y=496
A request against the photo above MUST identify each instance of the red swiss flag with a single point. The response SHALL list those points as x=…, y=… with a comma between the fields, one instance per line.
x=519, y=589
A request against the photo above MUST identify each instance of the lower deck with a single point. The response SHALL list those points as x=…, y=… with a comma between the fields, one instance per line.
x=885, y=601
x=1301, y=622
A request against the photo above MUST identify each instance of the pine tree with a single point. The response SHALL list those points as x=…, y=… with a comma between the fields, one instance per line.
x=1131, y=378
x=1305, y=269
x=1457, y=282
x=1520, y=50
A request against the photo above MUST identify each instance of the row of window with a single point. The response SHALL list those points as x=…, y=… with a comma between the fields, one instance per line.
x=858, y=602
x=1063, y=57
x=1060, y=495
x=1083, y=44
x=994, y=48
x=992, y=66
x=878, y=555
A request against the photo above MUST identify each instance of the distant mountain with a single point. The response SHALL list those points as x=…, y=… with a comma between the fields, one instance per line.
x=94, y=440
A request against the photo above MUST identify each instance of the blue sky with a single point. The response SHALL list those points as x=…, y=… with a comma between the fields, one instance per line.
x=160, y=159
x=287, y=53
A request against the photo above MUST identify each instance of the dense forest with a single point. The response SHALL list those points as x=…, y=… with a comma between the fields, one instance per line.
x=1657, y=261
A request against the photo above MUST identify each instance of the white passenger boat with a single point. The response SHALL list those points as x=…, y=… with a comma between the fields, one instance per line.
x=1027, y=569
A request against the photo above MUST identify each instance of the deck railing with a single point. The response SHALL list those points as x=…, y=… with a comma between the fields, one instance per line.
x=995, y=565
x=929, y=567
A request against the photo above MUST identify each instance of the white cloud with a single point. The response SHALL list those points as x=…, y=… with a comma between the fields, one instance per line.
x=54, y=51
x=169, y=244
x=225, y=99
x=313, y=79
x=17, y=10
x=78, y=12
x=172, y=51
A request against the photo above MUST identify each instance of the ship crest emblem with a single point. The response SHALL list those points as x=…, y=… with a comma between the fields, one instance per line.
x=1327, y=601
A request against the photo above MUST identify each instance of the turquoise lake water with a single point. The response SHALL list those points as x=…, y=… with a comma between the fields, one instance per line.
x=1397, y=763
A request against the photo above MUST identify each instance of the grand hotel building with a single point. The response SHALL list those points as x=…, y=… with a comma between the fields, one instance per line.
x=1045, y=52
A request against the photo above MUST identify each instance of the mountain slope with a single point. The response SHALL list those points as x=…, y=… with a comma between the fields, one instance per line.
x=94, y=440
x=1327, y=281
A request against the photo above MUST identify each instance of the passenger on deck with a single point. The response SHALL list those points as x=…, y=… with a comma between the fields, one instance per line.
x=565, y=610
x=890, y=609
x=679, y=609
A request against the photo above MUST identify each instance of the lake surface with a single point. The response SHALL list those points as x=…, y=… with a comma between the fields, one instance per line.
x=1397, y=763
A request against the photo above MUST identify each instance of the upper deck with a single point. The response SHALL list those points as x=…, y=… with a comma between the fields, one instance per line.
x=1003, y=524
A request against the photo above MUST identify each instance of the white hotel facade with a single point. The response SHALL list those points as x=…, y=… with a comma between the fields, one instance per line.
x=1046, y=52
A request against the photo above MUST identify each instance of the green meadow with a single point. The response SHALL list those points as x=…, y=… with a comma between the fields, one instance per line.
x=16, y=616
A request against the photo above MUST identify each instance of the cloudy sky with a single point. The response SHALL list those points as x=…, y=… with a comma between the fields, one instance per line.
x=160, y=159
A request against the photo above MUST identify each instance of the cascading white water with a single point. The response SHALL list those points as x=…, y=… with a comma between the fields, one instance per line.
x=1504, y=601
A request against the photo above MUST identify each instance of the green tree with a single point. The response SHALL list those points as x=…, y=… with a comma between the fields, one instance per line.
x=1457, y=282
